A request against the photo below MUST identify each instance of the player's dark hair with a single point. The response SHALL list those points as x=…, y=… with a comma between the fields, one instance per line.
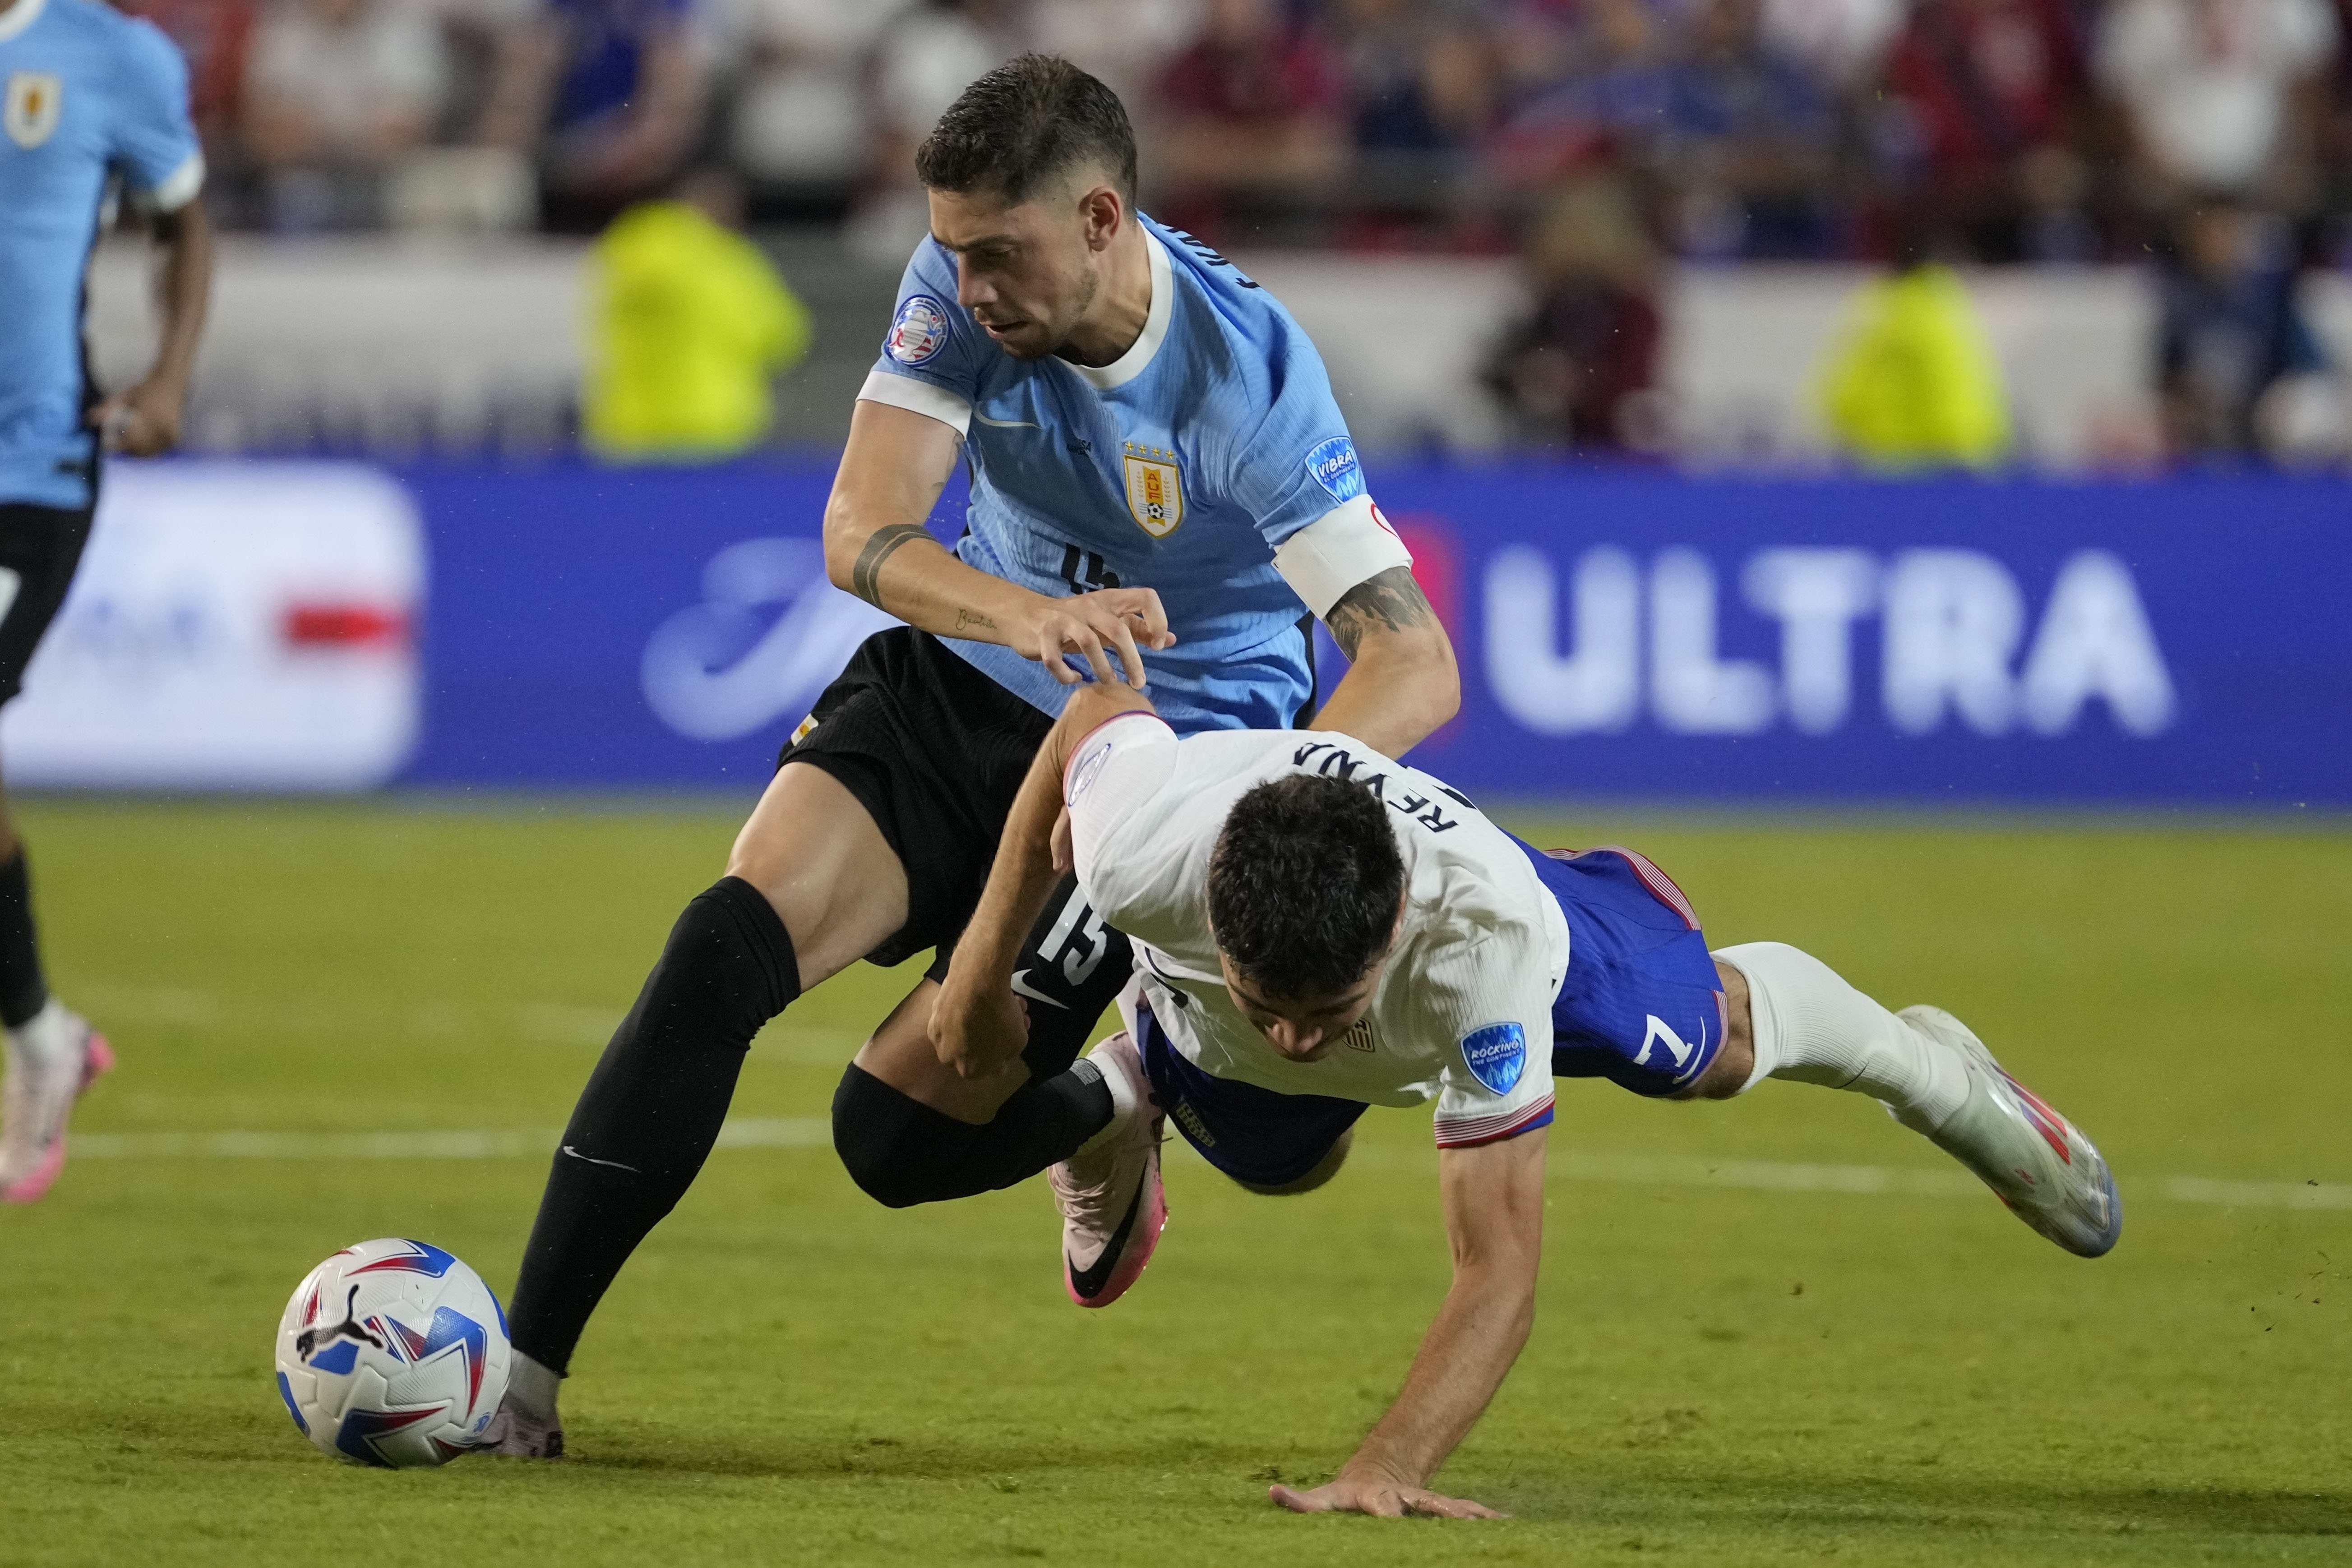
x=1029, y=119
x=1304, y=884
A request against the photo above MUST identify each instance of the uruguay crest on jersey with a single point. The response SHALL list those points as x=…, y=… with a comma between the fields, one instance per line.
x=35, y=98
x=1155, y=494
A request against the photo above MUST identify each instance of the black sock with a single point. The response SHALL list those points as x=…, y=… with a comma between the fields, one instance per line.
x=903, y=1153
x=652, y=1109
x=23, y=992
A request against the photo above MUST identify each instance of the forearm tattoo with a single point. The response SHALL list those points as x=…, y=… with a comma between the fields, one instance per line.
x=865, y=577
x=1392, y=600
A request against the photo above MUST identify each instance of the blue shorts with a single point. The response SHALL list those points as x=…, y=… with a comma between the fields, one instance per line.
x=1253, y=1134
x=1642, y=1004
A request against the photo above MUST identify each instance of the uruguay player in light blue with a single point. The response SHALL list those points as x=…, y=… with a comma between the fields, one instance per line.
x=1217, y=422
x=1163, y=491
x=93, y=107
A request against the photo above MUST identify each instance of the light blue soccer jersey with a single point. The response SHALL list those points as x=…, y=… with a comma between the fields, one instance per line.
x=90, y=93
x=1210, y=463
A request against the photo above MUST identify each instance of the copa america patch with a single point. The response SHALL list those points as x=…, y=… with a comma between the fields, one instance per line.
x=1497, y=1055
x=919, y=330
x=1335, y=468
x=1090, y=768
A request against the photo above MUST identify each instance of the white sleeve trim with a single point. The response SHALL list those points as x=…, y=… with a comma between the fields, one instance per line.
x=179, y=187
x=917, y=397
x=1337, y=550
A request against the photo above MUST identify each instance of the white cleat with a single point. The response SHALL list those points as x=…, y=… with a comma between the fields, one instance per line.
x=2035, y=1160
x=52, y=1058
x=519, y=1434
x=1113, y=1205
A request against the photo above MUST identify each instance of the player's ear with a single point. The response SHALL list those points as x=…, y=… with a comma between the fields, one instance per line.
x=1103, y=210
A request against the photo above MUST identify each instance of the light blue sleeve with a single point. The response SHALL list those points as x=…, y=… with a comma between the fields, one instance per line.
x=1300, y=465
x=152, y=143
x=932, y=339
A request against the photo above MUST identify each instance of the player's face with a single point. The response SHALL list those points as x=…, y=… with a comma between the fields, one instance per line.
x=1304, y=1029
x=1027, y=273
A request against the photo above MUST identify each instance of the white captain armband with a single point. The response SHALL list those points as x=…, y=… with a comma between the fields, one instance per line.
x=1345, y=546
x=917, y=397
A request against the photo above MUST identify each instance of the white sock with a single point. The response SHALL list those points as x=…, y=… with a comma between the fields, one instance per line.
x=530, y=1389
x=1810, y=1026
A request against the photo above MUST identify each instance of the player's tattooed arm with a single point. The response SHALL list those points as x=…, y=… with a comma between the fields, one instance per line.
x=1402, y=683
x=865, y=577
x=1392, y=600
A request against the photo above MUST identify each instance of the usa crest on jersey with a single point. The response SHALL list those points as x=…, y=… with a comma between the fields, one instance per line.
x=1155, y=494
x=35, y=100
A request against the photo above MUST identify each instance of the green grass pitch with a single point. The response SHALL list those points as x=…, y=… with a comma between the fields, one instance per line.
x=1771, y=1331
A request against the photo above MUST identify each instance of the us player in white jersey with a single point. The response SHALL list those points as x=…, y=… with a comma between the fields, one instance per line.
x=1320, y=929
x=1161, y=484
x=93, y=106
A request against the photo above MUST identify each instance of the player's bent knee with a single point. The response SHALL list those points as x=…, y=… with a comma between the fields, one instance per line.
x=883, y=1138
x=1325, y=1169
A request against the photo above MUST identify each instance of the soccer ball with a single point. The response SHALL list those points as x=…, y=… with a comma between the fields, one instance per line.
x=393, y=1353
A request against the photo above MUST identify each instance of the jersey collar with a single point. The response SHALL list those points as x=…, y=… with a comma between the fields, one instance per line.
x=25, y=13
x=1129, y=365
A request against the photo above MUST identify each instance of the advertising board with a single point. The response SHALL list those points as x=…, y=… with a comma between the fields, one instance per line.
x=232, y=626
x=1622, y=635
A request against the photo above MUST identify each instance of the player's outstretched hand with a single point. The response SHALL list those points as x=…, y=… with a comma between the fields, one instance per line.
x=980, y=1033
x=142, y=420
x=1096, y=626
x=1382, y=1499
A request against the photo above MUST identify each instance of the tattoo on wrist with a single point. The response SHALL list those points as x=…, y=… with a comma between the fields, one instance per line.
x=1391, y=600
x=865, y=577
x=968, y=619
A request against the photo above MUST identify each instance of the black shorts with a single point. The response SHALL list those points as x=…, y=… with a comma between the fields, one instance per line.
x=40, y=547
x=936, y=751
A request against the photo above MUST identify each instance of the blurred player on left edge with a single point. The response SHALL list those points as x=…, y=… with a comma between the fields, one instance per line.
x=91, y=96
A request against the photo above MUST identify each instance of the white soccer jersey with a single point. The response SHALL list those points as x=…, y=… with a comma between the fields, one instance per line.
x=1463, y=1010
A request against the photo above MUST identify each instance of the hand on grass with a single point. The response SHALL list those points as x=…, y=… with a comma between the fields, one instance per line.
x=1381, y=1498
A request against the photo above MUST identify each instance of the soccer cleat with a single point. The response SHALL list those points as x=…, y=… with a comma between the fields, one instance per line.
x=1113, y=1205
x=52, y=1058
x=2035, y=1161
x=517, y=1435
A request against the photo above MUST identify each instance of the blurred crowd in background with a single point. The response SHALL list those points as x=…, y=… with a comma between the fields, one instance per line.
x=1995, y=130
x=1599, y=140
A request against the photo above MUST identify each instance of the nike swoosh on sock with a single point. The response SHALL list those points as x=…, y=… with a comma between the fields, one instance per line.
x=608, y=1165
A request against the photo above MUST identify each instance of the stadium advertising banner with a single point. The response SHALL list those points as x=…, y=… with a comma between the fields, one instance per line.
x=232, y=626
x=1622, y=634
x=1632, y=635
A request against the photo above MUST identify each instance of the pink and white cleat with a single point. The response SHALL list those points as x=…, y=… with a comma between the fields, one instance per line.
x=1113, y=1205
x=52, y=1058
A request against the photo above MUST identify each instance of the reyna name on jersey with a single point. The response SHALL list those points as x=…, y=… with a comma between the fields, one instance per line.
x=1462, y=1013
x=1333, y=761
